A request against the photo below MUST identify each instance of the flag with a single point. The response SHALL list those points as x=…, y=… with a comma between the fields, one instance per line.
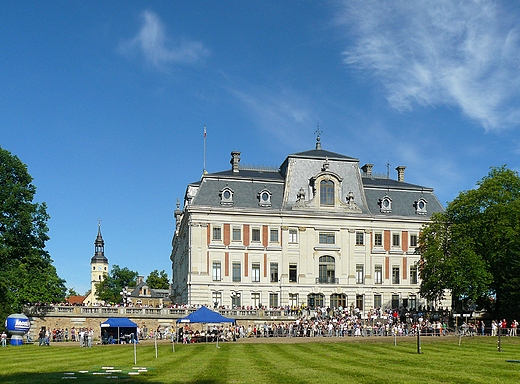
x=204, y=131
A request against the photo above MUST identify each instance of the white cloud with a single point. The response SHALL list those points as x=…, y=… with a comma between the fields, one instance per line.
x=280, y=114
x=442, y=52
x=158, y=49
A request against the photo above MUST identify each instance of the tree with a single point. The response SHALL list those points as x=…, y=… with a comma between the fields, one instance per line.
x=158, y=280
x=473, y=248
x=27, y=273
x=71, y=292
x=110, y=288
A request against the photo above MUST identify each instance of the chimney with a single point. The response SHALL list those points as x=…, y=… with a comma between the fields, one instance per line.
x=367, y=170
x=235, y=160
x=400, y=172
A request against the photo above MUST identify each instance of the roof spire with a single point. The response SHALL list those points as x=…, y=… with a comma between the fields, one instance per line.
x=318, y=133
x=99, y=247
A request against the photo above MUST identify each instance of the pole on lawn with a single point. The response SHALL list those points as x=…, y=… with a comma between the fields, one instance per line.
x=155, y=342
x=418, y=338
x=135, y=351
x=499, y=332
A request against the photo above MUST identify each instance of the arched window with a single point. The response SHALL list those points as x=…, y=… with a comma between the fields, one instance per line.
x=326, y=193
x=420, y=206
x=327, y=268
x=338, y=300
x=315, y=300
x=226, y=196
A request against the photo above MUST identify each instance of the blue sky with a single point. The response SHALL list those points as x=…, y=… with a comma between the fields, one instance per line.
x=105, y=101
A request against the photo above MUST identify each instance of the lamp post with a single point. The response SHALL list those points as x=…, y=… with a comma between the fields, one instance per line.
x=456, y=316
x=124, y=296
x=235, y=295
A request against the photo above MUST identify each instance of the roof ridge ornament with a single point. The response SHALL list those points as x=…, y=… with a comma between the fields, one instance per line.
x=318, y=133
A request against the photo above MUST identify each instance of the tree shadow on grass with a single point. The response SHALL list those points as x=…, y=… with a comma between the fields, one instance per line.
x=67, y=377
x=64, y=377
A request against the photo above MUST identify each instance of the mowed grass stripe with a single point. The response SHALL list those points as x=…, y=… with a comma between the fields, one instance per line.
x=476, y=360
x=310, y=361
x=284, y=364
x=215, y=366
x=252, y=359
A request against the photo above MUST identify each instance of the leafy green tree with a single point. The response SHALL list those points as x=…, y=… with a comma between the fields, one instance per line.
x=71, y=292
x=473, y=248
x=158, y=280
x=110, y=288
x=26, y=273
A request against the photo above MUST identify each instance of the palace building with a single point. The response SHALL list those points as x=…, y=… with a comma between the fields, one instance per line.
x=318, y=231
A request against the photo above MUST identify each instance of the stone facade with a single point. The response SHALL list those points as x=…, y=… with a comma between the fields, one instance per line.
x=318, y=231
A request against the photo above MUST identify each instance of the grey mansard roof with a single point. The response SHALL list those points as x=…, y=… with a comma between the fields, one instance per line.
x=246, y=186
x=321, y=154
x=296, y=174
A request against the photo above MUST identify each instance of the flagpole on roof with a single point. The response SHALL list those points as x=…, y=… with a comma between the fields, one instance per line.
x=204, y=170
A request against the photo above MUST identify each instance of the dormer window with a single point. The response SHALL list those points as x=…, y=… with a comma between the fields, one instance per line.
x=420, y=206
x=264, y=198
x=226, y=196
x=385, y=204
x=327, y=192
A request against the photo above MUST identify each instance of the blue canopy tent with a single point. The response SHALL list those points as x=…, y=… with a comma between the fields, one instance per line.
x=205, y=315
x=123, y=327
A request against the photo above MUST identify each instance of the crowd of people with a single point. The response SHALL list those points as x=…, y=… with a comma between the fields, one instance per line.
x=84, y=336
x=348, y=322
x=304, y=321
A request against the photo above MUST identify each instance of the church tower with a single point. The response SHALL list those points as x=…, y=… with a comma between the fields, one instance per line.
x=98, y=265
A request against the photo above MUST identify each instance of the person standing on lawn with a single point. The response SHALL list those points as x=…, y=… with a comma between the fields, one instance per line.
x=4, y=339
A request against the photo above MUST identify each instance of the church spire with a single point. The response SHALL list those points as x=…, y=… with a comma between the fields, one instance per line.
x=99, y=247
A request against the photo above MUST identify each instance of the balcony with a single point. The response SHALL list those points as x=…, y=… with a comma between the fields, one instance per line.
x=327, y=280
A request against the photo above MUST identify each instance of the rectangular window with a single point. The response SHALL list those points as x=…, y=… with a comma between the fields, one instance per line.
x=273, y=300
x=413, y=302
x=255, y=299
x=413, y=274
x=396, y=240
x=359, y=302
x=293, y=273
x=378, y=274
x=378, y=239
x=395, y=301
x=360, y=277
x=327, y=238
x=235, y=299
x=293, y=299
x=255, y=235
x=217, y=271
x=217, y=233
x=237, y=234
x=360, y=238
x=395, y=275
x=377, y=301
x=255, y=272
x=293, y=236
x=216, y=297
x=274, y=272
x=237, y=272
x=273, y=236
x=413, y=240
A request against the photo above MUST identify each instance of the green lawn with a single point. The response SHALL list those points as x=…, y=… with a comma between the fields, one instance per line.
x=373, y=360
